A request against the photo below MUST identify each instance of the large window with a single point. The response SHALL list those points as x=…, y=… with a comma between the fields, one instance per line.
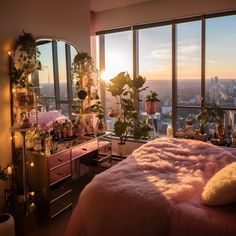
x=196, y=55
x=118, y=58
x=188, y=63
x=155, y=50
x=221, y=61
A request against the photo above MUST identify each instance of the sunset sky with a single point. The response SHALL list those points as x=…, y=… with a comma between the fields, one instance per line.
x=155, y=52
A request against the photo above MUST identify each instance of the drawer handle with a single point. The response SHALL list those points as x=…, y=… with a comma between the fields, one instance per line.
x=60, y=159
x=84, y=149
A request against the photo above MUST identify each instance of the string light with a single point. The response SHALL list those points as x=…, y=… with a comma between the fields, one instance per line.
x=29, y=78
x=32, y=193
x=9, y=170
x=32, y=164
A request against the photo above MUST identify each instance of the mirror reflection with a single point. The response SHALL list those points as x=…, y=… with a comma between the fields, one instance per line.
x=53, y=81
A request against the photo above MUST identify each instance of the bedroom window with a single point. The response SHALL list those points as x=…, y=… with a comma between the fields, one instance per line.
x=189, y=62
x=155, y=58
x=118, y=58
x=221, y=64
x=221, y=61
x=188, y=67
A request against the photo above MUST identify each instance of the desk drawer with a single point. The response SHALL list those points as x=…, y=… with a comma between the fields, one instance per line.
x=59, y=159
x=60, y=173
x=84, y=149
x=60, y=203
x=61, y=188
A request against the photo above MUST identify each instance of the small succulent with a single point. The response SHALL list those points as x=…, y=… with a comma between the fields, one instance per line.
x=152, y=96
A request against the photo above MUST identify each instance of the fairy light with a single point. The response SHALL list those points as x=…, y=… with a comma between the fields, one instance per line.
x=9, y=170
x=32, y=164
x=29, y=78
x=32, y=193
x=9, y=53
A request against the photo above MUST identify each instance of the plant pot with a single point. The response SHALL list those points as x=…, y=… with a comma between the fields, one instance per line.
x=122, y=149
x=151, y=107
x=7, y=225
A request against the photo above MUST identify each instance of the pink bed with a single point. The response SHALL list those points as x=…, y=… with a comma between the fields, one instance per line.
x=156, y=191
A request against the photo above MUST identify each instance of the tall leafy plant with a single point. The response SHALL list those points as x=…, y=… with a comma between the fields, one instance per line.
x=126, y=91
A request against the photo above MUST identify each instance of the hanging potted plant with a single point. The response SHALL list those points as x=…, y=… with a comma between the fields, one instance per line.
x=24, y=59
x=84, y=73
x=151, y=103
x=23, y=62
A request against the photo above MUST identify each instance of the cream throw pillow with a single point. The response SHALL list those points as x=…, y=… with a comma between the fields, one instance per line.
x=221, y=188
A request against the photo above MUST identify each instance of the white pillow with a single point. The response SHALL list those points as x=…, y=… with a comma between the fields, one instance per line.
x=221, y=188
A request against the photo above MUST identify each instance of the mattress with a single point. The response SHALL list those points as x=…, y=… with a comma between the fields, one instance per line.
x=156, y=191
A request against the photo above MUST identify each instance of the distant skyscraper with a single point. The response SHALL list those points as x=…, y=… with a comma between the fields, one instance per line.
x=214, y=90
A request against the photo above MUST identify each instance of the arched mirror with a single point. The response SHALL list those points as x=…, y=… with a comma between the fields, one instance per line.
x=54, y=83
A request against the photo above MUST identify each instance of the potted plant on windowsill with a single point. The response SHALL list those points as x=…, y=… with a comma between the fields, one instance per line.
x=151, y=103
x=126, y=90
x=212, y=114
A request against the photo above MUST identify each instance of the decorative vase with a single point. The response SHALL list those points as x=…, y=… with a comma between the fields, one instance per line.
x=100, y=127
x=151, y=107
x=7, y=225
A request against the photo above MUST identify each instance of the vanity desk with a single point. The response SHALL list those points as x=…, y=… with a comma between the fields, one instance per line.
x=50, y=176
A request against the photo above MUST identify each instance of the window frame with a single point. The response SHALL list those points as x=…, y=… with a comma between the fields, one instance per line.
x=136, y=28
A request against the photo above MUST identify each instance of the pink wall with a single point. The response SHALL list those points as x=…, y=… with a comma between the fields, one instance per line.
x=69, y=20
x=158, y=10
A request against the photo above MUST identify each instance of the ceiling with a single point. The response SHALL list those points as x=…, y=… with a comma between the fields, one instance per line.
x=103, y=5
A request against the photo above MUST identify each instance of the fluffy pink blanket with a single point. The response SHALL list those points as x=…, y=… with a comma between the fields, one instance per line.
x=156, y=191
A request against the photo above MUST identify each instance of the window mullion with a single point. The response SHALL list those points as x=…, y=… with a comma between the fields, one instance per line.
x=136, y=60
x=174, y=80
x=102, y=69
x=203, y=62
x=56, y=74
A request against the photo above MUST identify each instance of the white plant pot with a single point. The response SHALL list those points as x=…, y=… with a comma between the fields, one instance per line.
x=7, y=225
